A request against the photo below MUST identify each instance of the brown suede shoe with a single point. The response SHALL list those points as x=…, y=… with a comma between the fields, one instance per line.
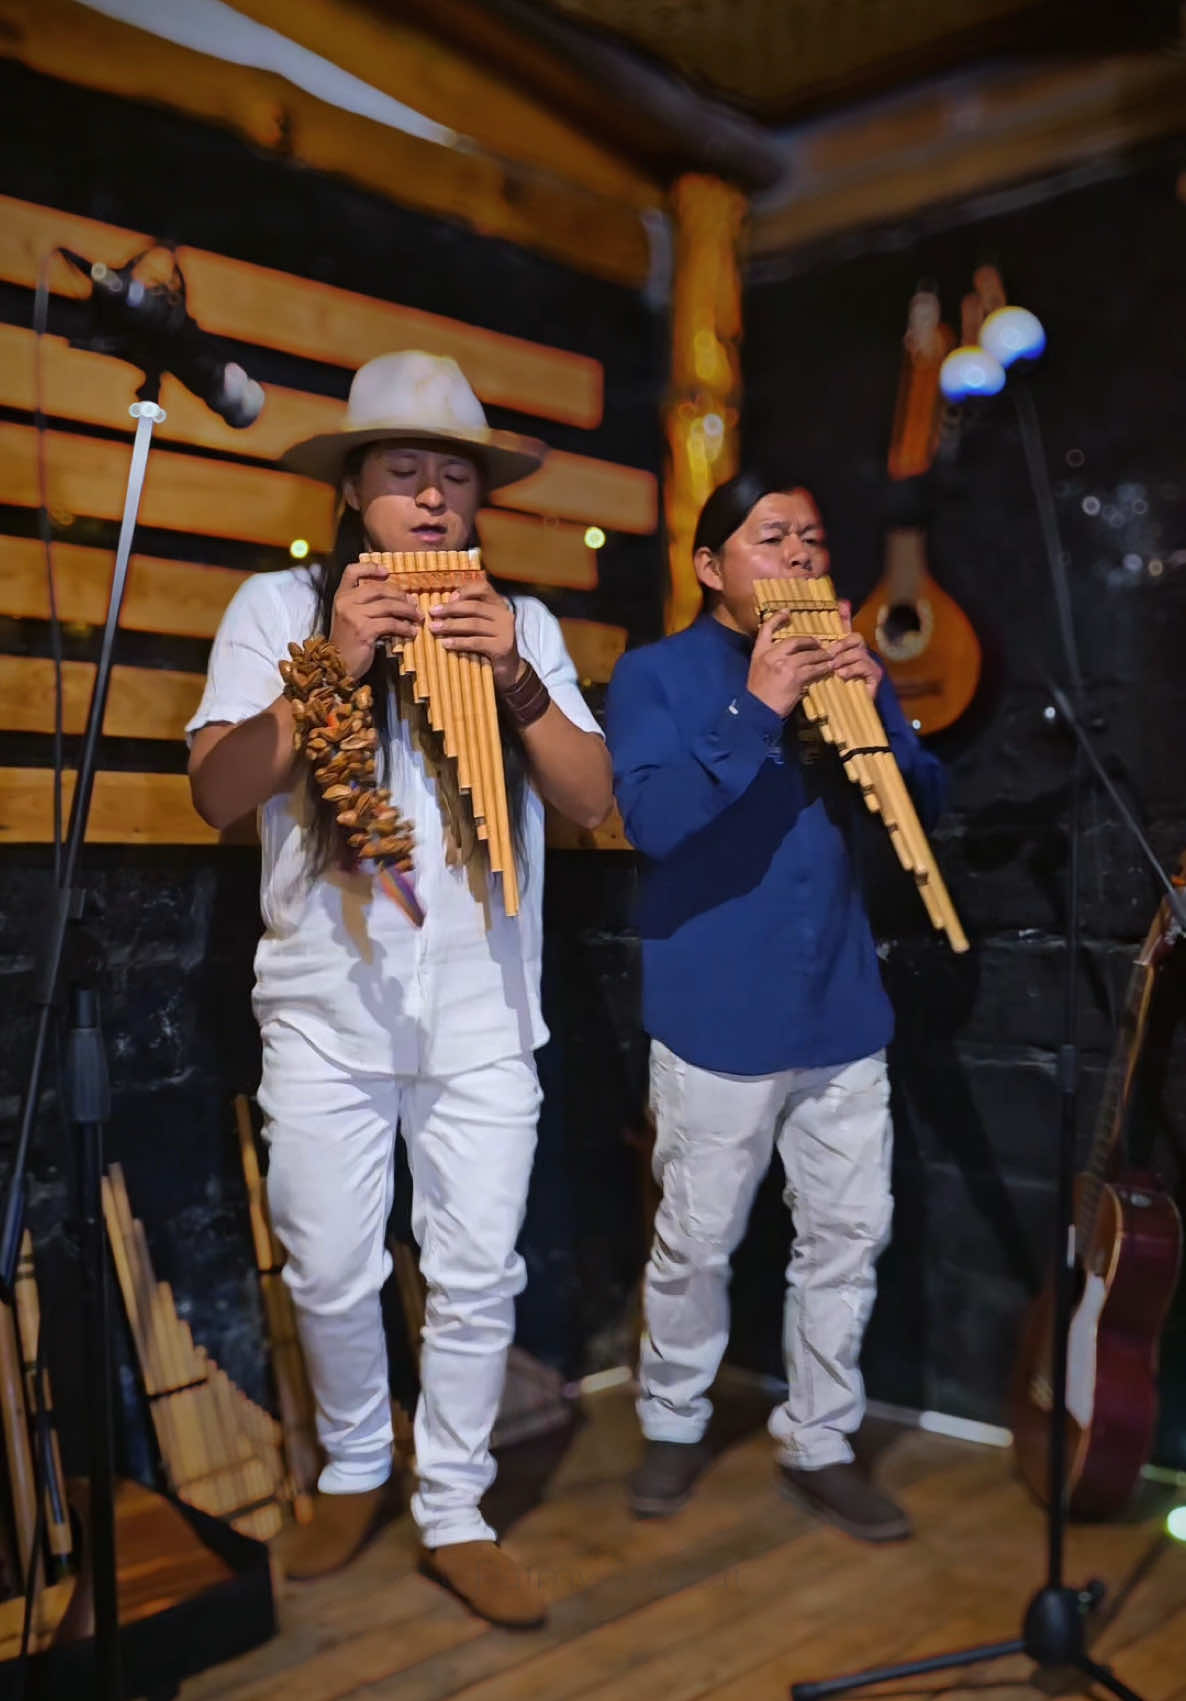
x=342, y=1525
x=489, y=1581
x=844, y=1496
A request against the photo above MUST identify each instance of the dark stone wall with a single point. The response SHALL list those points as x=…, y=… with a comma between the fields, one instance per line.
x=976, y=1097
x=171, y=933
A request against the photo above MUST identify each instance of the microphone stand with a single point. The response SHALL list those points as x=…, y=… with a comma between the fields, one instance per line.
x=89, y=1106
x=1054, y=1628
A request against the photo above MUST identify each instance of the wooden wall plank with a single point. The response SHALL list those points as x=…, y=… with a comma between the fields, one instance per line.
x=126, y=809
x=180, y=598
x=189, y=493
x=255, y=304
x=429, y=74
x=155, y=809
x=591, y=232
x=97, y=390
x=142, y=702
x=186, y=600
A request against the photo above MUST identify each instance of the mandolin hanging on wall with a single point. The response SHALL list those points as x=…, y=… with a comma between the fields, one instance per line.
x=918, y=631
x=1128, y=1241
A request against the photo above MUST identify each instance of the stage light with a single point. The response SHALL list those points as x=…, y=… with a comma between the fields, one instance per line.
x=298, y=548
x=1012, y=333
x=594, y=537
x=1175, y=1523
x=970, y=371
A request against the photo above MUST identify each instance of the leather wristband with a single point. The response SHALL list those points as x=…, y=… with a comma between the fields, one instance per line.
x=527, y=699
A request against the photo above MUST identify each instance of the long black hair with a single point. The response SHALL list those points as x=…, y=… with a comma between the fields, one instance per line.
x=326, y=846
x=732, y=503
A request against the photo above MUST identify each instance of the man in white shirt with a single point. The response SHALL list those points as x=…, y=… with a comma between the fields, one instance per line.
x=367, y=1020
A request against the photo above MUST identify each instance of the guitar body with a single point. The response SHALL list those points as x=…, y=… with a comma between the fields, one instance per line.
x=1128, y=1278
x=927, y=645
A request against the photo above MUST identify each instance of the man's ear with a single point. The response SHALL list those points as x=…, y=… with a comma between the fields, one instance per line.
x=350, y=494
x=708, y=569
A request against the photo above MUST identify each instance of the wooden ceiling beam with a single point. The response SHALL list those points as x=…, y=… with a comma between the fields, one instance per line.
x=594, y=233
x=643, y=112
x=889, y=162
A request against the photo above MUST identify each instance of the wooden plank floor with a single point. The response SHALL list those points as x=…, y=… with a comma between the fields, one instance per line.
x=731, y=1600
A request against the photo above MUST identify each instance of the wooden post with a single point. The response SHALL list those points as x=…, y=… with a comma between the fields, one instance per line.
x=701, y=416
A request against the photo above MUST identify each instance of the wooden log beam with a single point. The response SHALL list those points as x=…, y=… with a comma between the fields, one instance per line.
x=424, y=69
x=272, y=309
x=190, y=493
x=97, y=390
x=647, y=114
x=940, y=146
x=594, y=233
x=143, y=702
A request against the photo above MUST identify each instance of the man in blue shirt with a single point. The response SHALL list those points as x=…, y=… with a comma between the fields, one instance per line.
x=763, y=999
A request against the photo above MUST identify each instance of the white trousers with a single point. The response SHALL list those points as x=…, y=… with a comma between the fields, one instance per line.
x=715, y=1135
x=470, y=1140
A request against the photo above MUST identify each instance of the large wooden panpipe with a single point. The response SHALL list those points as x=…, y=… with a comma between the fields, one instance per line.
x=293, y=1394
x=221, y=1452
x=843, y=711
x=458, y=692
x=26, y=1412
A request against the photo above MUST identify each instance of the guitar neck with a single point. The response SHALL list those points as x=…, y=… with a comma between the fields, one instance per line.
x=1117, y=1095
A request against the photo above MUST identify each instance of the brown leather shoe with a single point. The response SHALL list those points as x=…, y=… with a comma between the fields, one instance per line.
x=489, y=1581
x=665, y=1479
x=341, y=1526
x=844, y=1496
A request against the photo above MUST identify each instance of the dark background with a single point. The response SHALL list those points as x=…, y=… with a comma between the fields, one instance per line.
x=173, y=932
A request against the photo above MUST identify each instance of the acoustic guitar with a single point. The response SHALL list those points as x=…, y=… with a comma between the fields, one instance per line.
x=919, y=632
x=1128, y=1243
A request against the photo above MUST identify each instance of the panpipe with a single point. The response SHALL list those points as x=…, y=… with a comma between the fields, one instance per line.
x=293, y=1395
x=221, y=1452
x=844, y=712
x=458, y=692
x=26, y=1411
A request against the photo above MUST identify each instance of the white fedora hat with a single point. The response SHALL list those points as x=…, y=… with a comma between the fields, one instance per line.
x=421, y=397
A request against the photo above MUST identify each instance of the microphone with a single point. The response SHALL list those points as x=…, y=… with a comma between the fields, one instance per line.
x=156, y=319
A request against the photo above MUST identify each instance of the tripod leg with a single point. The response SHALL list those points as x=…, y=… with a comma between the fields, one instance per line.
x=1107, y=1679
x=909, y=1668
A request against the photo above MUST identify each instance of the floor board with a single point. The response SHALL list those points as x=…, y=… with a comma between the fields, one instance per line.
x=735, y=1598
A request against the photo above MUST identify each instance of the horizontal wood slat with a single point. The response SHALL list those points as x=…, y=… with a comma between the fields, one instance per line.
x=155, y=809
x=185, y=600
x=97, y=390
x=175, y=597
x=126, y=809
x=255, y=304
x=593, y=233
x=142, y=702
x=189, y=493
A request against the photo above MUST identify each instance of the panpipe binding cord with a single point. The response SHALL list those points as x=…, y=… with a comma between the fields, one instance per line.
x=457, y=692
x=848, y=720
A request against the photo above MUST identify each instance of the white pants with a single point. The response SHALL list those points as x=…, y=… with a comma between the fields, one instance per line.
x=715, y=1135
x=470, y=1140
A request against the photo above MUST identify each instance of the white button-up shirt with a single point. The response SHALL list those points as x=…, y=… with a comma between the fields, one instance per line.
x=339, y=960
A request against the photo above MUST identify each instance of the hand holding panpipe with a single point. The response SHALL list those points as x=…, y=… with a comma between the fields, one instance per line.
x=845, y=714
x=457, y=689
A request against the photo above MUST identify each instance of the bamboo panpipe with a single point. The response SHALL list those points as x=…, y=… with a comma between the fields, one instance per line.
x=458, y=690
x=39, y=1398
x=221, y=1453
x=288, y=1365
x=848, y=720
x=21, y=1481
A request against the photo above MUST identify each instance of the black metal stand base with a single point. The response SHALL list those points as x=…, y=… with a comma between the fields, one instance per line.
x=1054, y=1636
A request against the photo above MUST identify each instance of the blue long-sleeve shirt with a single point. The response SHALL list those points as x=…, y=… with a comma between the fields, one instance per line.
x=756, y=949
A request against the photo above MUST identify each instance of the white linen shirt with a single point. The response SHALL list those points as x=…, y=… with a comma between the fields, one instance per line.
x=339, y=960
